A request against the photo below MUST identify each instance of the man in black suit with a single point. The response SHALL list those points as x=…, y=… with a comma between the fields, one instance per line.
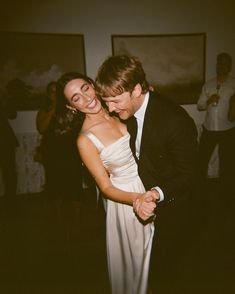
x=166, y=148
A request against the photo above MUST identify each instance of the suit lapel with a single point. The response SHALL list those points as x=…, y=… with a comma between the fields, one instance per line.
x=132, y=129
x=146, y=126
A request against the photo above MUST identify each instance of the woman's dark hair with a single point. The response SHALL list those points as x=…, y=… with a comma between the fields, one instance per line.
x=69, y=76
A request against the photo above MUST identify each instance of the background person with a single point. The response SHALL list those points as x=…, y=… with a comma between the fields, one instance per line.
x=217, y=128
x=8, y=146
x=62, y=164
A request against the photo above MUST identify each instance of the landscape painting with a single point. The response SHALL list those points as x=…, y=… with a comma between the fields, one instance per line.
x=29, y=61
x=174, y=63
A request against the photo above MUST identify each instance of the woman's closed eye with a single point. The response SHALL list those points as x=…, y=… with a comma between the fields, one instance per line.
x=85, y=88
x=75, y=98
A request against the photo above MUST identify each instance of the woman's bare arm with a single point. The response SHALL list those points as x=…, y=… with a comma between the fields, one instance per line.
x=90, y=157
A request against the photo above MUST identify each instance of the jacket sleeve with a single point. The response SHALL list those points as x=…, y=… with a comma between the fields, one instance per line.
x=182, y=151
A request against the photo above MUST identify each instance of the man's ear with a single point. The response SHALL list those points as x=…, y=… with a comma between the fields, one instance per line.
x=137, y=90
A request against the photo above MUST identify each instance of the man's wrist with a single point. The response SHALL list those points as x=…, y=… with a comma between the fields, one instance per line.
x=156, y=192
x=160, y=193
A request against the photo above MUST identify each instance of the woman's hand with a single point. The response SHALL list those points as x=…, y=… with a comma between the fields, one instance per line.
x=145, y=205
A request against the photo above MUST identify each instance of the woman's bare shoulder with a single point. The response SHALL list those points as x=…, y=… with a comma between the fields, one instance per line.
x=82, y=137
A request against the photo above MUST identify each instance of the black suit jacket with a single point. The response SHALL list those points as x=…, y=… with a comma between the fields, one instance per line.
x=168, y=149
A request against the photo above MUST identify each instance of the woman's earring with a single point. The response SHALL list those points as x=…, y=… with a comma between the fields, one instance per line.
x=72, y=109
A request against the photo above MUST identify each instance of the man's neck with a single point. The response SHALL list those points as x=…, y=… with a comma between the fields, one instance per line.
x=139, y=101
x=141, y=110
x=221, y=78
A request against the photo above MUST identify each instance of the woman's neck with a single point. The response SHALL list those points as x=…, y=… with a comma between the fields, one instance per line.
x=99, y=116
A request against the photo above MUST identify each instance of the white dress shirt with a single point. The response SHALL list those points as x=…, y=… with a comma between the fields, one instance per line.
x=217, y=116
x=139, y=115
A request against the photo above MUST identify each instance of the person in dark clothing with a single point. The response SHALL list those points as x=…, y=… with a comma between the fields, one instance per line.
x=62, y=163
x=8, y=146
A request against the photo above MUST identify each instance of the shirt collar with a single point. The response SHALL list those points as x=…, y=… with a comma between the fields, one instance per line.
x=141, y=111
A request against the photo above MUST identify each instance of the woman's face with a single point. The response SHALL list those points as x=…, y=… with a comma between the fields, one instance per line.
x=81, y=95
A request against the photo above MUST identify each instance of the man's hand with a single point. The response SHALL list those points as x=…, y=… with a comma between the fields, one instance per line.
x=214, y=99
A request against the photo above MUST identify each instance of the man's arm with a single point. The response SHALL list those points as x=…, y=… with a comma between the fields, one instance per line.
x=182, y=149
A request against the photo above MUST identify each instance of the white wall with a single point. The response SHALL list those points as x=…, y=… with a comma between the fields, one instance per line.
x=98, y=20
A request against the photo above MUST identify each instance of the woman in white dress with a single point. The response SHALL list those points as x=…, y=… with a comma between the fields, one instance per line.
x=104, y=147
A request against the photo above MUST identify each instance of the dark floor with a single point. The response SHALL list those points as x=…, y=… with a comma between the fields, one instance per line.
x=35, y=259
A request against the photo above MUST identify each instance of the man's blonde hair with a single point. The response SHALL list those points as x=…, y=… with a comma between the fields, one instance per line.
x=120, y=74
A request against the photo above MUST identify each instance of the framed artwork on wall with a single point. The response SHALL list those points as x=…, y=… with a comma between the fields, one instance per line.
x=29, y=61
x=174, y=63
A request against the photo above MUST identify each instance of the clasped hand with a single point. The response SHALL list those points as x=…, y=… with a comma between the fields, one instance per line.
x=214, y=98
x=145, y=205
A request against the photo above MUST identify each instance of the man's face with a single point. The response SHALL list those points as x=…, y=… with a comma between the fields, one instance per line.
x=124, y=105
x=223, y=66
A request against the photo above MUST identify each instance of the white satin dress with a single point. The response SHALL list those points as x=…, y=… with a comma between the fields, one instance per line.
x=128, y=241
